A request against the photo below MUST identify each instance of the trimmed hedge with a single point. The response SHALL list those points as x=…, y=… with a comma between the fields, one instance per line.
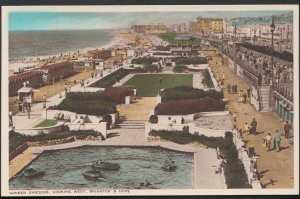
x=111, y=79
x=145, y=60
x=207, y=79
x=180, y=68
x=234, y=169
x=118, y=94
x=187, y=92
x=87, y=103
x=189, y=106
x=190, y=60
x=287, y=56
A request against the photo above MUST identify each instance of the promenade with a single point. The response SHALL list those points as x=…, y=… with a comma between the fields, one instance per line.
x=276, y=169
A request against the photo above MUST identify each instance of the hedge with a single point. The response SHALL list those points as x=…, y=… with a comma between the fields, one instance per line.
x=287, y=56
x=207, y=79
x=118, y=94
x=180, y=68
x=189, y=106
x=17, y=139
x=187, y=92
x=111, y=79
x=145, y=60
x=191, y=60
x=87, y=103
x=234, y=169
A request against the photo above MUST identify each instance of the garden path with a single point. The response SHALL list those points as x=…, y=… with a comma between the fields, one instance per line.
x=197, y=81
x=139, y=109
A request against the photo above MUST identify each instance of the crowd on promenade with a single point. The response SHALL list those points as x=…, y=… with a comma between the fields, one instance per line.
x=259, y=64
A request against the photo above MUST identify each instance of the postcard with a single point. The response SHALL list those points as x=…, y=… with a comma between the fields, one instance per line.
x=150, y=100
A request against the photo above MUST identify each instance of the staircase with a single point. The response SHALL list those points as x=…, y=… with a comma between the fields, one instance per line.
x=131, y=124
x=264, y=93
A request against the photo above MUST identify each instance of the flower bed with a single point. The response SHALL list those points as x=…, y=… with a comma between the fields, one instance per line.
x=118, y=94
x=234, y=169
x=189, y=106
x=145, y=60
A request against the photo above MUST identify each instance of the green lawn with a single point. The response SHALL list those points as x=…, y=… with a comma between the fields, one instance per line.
x=46, y=123
x=149, y=85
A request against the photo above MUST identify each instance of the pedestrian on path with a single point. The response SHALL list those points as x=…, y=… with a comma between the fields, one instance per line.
x=248, y=92
x=277, y=140
x=244, y=98
x=253, y=126
x=287, y=128
x=229, y=88
x=240, y=96
x=28, y=112
x=223, y=76
x=268, y=141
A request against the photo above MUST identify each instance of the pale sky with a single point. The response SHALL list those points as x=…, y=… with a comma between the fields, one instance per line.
x=102, y=20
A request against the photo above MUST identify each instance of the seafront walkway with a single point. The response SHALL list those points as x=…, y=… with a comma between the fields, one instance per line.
x=203, y=168
x=276, y=169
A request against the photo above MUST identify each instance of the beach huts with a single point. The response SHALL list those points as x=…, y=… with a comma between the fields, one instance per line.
x=57, y=71
x=33, y=78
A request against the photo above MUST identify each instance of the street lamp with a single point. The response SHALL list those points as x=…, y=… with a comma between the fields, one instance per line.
x=235, y=35
x=272, y=29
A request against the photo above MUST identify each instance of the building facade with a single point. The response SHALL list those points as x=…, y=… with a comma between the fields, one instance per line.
x=208, y=25
x=57, y=71
x=150, y=28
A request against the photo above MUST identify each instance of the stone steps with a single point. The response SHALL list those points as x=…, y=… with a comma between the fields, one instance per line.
x=131, y=124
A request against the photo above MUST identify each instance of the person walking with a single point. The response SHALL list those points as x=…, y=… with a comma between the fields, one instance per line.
x=277, y=140
x=228, y=88
x=253, y=126
x=268, y=141
x=287, y=128
x=248, y=92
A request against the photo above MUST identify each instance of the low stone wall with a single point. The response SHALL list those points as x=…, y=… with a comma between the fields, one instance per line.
x=46, y=130
x=61, y=141
x=18, y=151
x=254, y=98
x=179, y=127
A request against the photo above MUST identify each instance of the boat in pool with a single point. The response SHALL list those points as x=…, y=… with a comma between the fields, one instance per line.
x=92, y=175
x=31, y=173
x=169, y=166
x=106, y=166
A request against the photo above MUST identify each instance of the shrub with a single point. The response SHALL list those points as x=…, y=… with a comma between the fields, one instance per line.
x=180, y=68
x=153, y=119
x=111, y=79
x=151, y=68
x=234, y=170
x=162, y=48
x=108, y=119
x=16, y=140
x=207, y=79
x=190, y=60
x=118, y=94
x=183, y=107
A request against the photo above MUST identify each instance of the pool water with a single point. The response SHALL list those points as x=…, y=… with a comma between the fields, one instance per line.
x=64, y=169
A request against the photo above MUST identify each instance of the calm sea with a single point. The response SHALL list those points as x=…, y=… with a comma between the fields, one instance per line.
x=23, y=44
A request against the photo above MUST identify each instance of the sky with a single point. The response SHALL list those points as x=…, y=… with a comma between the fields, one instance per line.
x=102, y=20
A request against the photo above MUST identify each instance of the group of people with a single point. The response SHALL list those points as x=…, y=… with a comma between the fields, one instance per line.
x=232, y=88
x=250, y=129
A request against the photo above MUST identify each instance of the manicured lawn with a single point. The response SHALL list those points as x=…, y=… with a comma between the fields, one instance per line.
x=149, y=85
x=46, y=123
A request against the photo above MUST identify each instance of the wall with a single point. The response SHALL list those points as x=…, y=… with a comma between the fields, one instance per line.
x=254, y=98
x=46, y=130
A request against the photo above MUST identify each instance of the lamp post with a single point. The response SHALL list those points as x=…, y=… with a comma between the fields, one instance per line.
x=235, y=67
x=272, y=29
x=235, y=35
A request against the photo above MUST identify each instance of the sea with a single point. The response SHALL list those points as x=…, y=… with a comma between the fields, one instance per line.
x=32, y=44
